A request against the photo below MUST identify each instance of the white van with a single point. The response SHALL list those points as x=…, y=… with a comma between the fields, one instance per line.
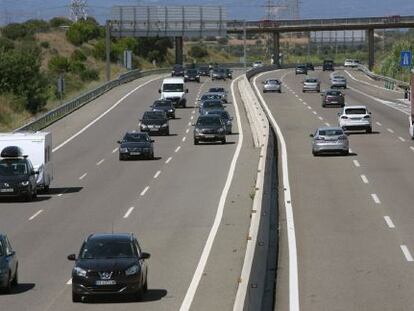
x=174, y=90
x=38, y=147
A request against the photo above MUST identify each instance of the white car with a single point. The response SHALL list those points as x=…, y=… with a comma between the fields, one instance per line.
x=257, y=64
x=351, y=63
x=355, y=118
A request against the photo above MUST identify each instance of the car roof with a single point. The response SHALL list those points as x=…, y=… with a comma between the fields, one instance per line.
x=204, y=116
x=356, y=107
x=111, y=236
x=173, y=80
x=325, y=128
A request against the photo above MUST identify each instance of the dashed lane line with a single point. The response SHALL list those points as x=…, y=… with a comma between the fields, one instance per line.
x=364, y=179
x=375, y=198
x=390, y=130
x=157, y=174
x=115, y=150
x=412, y=148
x=187, y=131
x=356, y=163
x=389, y=222
x=100, y=162
x=320, y=118
x=144, y=191
x=83, y=176
x=406, y=253
x=168, y=160
x=401, y=138
x=327, y=124
x=36, y=214
x=378, y=123
x=184, y=139
x=129, y=211
x=177, y=149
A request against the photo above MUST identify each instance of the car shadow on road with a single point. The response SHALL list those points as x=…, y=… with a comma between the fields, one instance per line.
x=362, y=133
x=59, y=190
x=215, y=143
x=21, y=288
x=149, y=296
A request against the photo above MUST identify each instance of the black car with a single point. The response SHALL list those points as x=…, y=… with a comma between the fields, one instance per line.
x=177, y=71
x=155, y=122
x=8, y=265
x=212, y=104
x=191, y=75
x=17, y=176
x=204, y=71
x=209, y=128
x=328, y=65
x=218, y=74
x=164, y=105
x=225, y=116
x=109, y=263
x=301, y=69
x=229, y=73
x=310, y=66
x=136, y=145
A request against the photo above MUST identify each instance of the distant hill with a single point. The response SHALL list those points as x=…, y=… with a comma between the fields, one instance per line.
x=12, y=10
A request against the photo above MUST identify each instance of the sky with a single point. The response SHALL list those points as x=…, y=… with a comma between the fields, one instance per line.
x=20, y=10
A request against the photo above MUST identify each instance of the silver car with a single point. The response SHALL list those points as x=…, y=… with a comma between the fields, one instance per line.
x=311, y=84
x=338, y=81
x=272, y=85
x=329, y=139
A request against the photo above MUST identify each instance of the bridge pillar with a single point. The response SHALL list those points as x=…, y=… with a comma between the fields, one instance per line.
x=179, y=50
x=371, y=54
x=276, y=48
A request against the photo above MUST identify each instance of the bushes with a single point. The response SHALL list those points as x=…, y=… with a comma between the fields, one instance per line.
x=6, y=44
x=60, y=21
x=78, y=55
x=89, y=75
x=59, y=64
x=198, y=51
x=83, y=31
x=16, y=31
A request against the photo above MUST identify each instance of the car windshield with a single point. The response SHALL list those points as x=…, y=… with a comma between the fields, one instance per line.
x=311, y=80
x=13, y=167
x=208, y=121
x=356, y=111
x=333, y=132
x=153, y=116
x=216, y=89
x=105, y=249
x=192, y=71
x=272, y=82
x=210, y=96
x=212, y=103
x=173, y=87
x=302, y=66
x=162, y=104
x=135, y=137
x=339, y=78
x=203, y=68
x=223, y=114
x=333, y=93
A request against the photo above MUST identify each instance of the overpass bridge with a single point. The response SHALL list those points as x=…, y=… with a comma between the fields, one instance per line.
x=332, y=24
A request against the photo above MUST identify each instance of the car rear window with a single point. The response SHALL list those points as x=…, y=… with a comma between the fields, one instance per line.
x=330, y=132
x=209, y=121
x=356, y=111
x=333, y=93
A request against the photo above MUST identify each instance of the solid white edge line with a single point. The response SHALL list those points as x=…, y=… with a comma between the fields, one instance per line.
x=375, y=198
x=129, y=211
x=189, y=296
x=144, y=191
x=369, y=84
x=69, y=282
x=364, y=179
x=36, y=214
x=406, y=253
x=356, y=163
x=157, y=174
x=293, y=261
x=102, y=115
x=83, y=176
x=168, y=160
x=389, y=222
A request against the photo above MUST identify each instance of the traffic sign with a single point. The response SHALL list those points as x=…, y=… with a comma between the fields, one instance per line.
x=405, y=58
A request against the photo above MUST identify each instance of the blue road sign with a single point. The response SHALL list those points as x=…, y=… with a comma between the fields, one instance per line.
x=405, y=58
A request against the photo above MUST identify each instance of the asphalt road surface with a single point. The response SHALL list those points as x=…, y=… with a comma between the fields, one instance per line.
x=353, y=214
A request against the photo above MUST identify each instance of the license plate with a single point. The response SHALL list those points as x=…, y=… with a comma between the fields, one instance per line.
x=153, y=129
x=7, y=190
x=356, y=119
x=209, y=136
x=105, y=282
x=332, y=102
x=135, y=153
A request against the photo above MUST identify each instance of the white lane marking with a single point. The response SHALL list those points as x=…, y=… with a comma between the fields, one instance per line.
x=168, y=160
x=36, y=214
x=350, y=150
x=412, y=148
x=390, y=130
x=60, y=194
x=375, y=198
x=189, y=296
x=364, y=179
x=83, y=176
x=129, y=211
x=189, y=123
x=184, y=138
x=157, y=174
x=100, y=162
x=406, y=253
x=389, y=222
x=69, y=282
x=297, y=95
x=300, y=99
x=370, y=84
x=309, y=107
x=192, y=117
x=102, y=115
x=327, y=124
x=187, y=131
x=115, y=150
x=305, y=103
x=378, y=123
x=314, y=112
x=290, y=223
x=177, y=149
x=320, y=118
x=193, y=112
x=401, y=138
x=356, y=163
x=144, y=191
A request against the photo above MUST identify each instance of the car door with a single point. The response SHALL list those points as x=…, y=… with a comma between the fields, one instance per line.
x=10, y=257
x=32, y=176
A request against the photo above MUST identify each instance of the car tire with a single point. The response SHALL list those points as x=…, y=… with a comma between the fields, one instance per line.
x=121, y=157
x=369, y=130
x=76, y=297
x=29, y=196
x=223, y=141
x=145, y=287
x=196, y=142
x=345, y=153
x=167, y=133
x=264, y=91
x=35, y=193
x=280, y=91
x=303, y=91
x=315, y=154
x=15, y=281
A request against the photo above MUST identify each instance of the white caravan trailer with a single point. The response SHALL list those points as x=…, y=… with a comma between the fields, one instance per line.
x=38, y=147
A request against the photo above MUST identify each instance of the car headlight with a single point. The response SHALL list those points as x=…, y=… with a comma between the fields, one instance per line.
x=143, y=126
x=198, y=130
x=123, y=149
x=186, y=76
x=132, y=270
x=164, y=125
x=170, y=110
x=220, y=130
x=24, y=183
x=79, y=271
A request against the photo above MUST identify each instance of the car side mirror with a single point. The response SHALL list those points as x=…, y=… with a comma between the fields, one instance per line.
x=34, y=173
x=119, y=141
x=338, y=114
x=186, y=90
x=159, y=91
x=11, y=254
x=311, y=135
x=152, y=140
x=72, y=257
x=145, y=255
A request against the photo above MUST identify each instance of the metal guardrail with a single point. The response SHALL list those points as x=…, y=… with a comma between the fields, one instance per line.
x=77, y=102
x=390, y=82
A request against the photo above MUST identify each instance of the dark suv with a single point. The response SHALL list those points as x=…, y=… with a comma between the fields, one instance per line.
x=8, y=265
x=209, y=128
x=191, y=75
x=17, y=176
x=109, y=263
x=328, y=65
x=177, y=71
x=155, y=122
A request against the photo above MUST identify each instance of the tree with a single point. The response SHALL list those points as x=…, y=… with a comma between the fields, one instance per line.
x=60, y=21
x=6, y=44
x=16, y=31
x=83, y=31
x=59, y=64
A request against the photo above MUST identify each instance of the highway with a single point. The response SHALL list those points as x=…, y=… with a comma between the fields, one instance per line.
x=353, y=214
x=169, y=203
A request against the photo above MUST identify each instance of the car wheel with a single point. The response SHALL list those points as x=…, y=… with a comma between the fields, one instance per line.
x=167, y=133
x=264, y=91
x=369, y=130
x=345, y=152
x=196, y=141
x=280, y=91
x=121, y=157
x=29, y=196
x=303, y=91
x=145, y=287
x=35, y=193
x=46, y=189
x=223, y=141
x=76, y=297
x=15, y=280
x=315, y=154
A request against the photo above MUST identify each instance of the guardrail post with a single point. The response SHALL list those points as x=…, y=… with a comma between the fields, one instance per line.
x=371, y=49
